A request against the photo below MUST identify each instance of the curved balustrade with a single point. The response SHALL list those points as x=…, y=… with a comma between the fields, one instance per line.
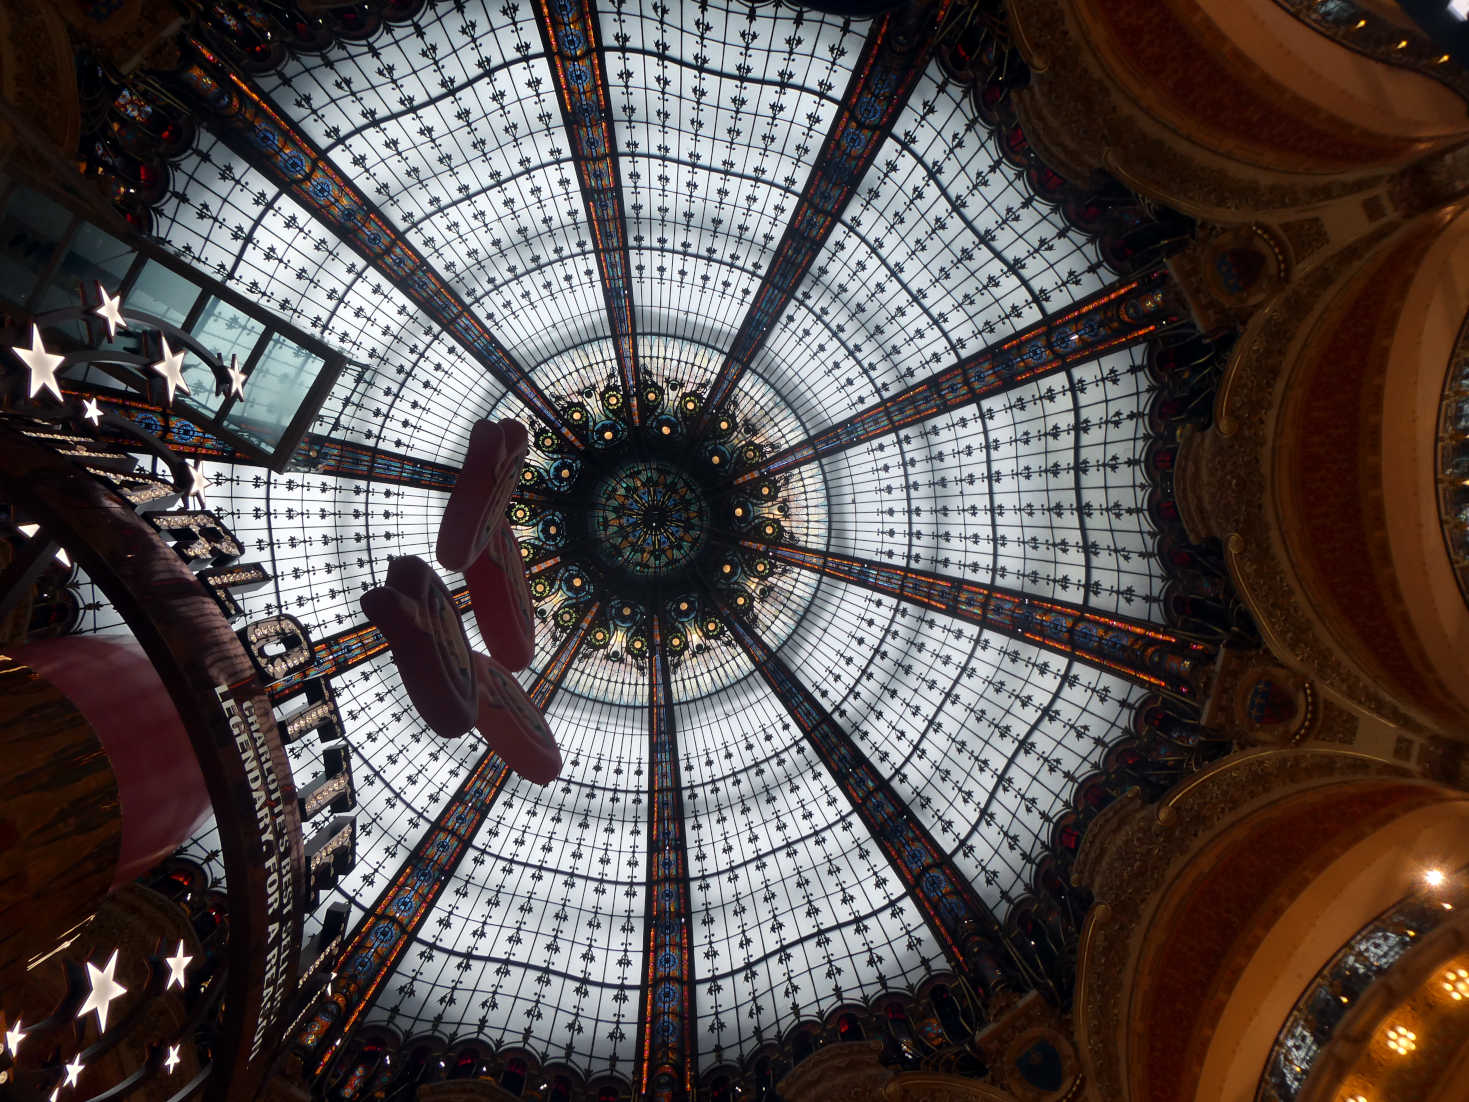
x=85, y=496
x=1453, y=461
x=1373, y=35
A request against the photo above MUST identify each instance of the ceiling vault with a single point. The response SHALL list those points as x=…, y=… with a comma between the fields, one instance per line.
x=812, y=213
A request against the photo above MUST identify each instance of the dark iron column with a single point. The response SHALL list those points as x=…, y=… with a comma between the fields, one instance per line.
x=1146, y=654
x=666, y=1050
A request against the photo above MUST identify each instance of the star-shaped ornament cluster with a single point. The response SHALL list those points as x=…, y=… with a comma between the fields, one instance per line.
x=104, y=990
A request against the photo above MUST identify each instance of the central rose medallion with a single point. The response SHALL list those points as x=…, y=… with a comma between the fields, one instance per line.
x=649, y=518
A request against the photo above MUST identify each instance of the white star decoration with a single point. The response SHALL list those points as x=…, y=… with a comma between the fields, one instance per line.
x=91, y=411
x=13, y=1038
x=31, y=529
x=171, y=367
x=41, y=364
x=176, y=965
x=237, y=378
x=110, y=311
x=104, y=989
x=171, y=1061
x=198, y=483
x=73, y=1071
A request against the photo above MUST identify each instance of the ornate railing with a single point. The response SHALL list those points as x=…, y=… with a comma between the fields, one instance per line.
x=1453, y=461
x=1372, y=35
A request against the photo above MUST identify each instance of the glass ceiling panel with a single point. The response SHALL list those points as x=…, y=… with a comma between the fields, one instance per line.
x=239, y=228
x=719, y=115
x=794, y=908
x=941, y=253
x=1006, y=497
x=984, y=737
x=451, y=124
x=538, y=937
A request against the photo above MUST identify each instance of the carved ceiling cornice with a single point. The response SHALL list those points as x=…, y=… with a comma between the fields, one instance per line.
x=926, y=1087
x=1231, y=469
x=1080, y=115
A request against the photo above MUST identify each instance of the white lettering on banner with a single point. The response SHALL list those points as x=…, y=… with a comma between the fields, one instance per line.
x=273, y=828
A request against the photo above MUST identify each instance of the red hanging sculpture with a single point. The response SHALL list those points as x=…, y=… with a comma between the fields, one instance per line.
x=453, y=687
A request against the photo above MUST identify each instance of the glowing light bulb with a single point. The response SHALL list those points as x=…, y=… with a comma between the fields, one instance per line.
x=1434, y=878
x=1456, y=983
x=1402, y=1040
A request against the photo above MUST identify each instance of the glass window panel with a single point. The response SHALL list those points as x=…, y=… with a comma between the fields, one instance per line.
x=226, y=332
x=31, y=229
x=163, y=293
x=275, y=390
x=94, y=257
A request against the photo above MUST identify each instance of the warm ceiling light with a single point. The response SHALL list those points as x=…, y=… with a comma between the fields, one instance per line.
x=1433, y=878
x=1402, y=1040
x=1456, y=983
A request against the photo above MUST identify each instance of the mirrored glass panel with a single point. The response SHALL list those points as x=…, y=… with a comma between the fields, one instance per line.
x=227, y=332
x=163, y=293
x=274, y=391
x=30, y=230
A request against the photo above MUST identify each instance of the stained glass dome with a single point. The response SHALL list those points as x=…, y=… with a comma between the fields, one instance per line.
x=797, y=595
